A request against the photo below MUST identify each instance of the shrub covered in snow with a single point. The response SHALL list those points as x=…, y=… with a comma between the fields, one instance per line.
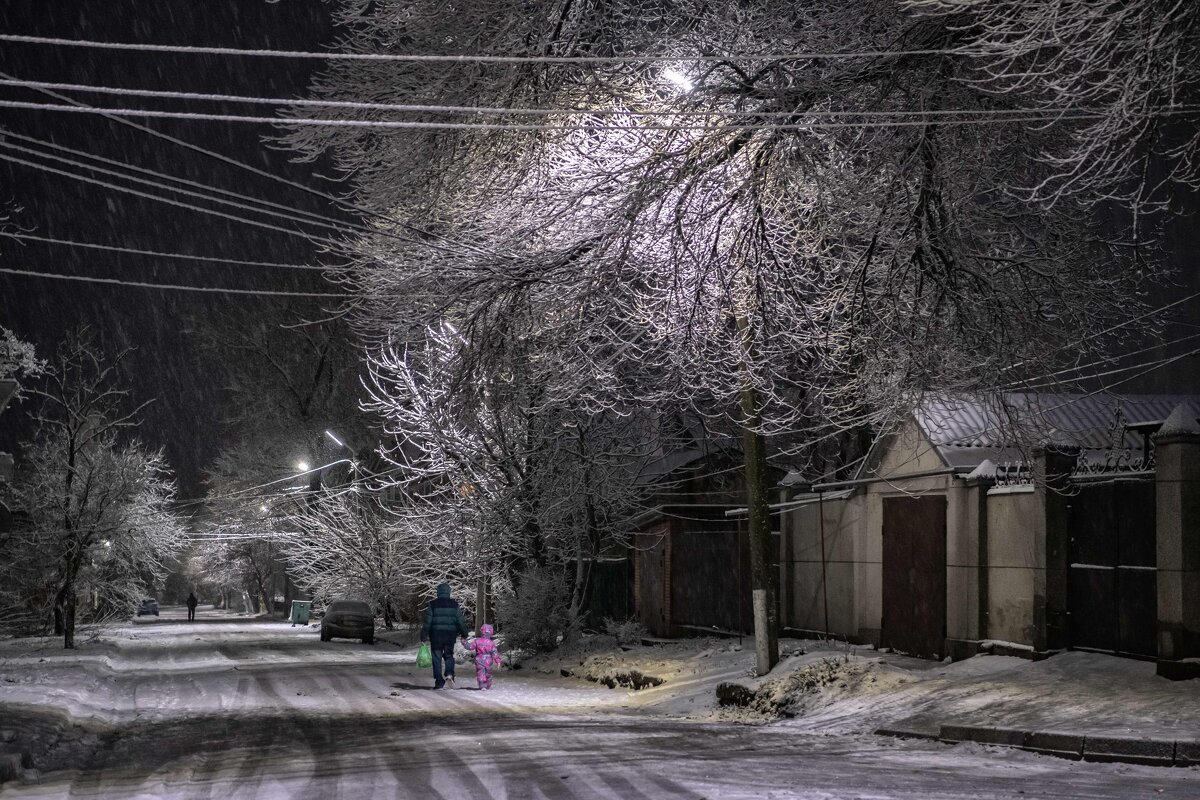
x=625, y=631
x=535, y=615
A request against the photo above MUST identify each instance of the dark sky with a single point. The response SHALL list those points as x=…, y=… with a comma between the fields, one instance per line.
x=185, y=416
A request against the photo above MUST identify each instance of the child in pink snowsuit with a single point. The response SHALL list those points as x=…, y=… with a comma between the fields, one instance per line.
x=486, y=656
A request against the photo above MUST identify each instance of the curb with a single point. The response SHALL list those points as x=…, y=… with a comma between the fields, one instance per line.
x=1149, y=752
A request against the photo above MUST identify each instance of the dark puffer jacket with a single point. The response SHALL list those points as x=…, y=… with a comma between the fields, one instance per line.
x=443, y=619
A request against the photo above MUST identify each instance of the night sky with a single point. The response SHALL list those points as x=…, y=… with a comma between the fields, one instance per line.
x=185, y=416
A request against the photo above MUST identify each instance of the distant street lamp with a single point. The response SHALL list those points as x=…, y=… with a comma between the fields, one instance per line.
x=302, y=466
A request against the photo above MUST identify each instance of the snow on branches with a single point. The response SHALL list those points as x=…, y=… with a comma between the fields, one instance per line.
x=1122, y=78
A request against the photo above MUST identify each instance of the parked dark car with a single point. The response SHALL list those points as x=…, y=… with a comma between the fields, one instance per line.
x=348, y=619
x=148, y=606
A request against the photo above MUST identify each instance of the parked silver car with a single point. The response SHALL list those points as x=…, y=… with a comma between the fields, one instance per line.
x=148, y=606
x=348, y=619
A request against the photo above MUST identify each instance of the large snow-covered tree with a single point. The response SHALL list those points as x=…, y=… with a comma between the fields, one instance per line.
x=689, y=206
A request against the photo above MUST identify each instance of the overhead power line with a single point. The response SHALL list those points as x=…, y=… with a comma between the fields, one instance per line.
x=683, y=111
x=421, y=236
x=170, y=286
x=1045, y=117
x=269, y=207
x=495, y=59
x=158, y=254
x=248, y=207
x=167, y=200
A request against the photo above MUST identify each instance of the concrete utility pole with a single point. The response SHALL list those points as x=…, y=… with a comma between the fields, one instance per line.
x=763, y=578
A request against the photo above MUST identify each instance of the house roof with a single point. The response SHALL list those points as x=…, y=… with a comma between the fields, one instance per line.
x=966, y=430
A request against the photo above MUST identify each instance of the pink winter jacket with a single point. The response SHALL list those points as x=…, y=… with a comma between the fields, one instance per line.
x=487, y=655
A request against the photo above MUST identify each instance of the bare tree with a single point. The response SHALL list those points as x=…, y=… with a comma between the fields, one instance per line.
x=1122, y=78
x=96, y=514
x=286, y=381
x=290, y=384
x=345, y=542
x=514, y=481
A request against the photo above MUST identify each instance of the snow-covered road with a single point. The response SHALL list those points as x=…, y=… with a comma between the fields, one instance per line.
x=233, y=708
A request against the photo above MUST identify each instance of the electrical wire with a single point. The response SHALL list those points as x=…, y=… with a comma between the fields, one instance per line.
x=500, y=110
x=284, y=211
x=291, y=217
x=158, y=254
x=493, y=59
x=1049, y=117
x=426, y=237
x=169, y=286
x=169, y=201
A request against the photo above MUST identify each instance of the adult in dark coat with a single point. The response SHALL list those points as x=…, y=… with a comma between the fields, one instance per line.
x=192, y=602
x=443, y=624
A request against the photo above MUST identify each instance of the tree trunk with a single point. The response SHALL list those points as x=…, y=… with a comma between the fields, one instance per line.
x=69, y=616
x=481, y=602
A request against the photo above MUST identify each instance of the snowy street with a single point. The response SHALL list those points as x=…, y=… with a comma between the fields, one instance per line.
x=234, y=707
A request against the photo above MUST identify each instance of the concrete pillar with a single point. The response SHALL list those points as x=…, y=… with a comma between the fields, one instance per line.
x=967, y=564
x=1177, y=492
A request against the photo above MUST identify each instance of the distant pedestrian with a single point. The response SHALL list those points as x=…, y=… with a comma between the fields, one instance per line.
x=192, y=602
x=443, y=624
x=487, y=656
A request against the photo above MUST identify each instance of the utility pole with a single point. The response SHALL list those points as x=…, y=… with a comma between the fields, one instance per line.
x=763, y=577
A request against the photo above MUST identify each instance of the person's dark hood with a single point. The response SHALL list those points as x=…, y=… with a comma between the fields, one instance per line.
x=443, y=590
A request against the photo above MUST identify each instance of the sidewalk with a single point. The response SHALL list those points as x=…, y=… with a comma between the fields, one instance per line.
x=1074, y=705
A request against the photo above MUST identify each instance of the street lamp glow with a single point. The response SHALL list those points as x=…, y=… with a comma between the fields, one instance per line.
x=262, y=509
x=302, y=466
x=678, y=78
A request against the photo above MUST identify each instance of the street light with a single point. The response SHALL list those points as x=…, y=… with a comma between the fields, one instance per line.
x=678, y=78
x=302, y=466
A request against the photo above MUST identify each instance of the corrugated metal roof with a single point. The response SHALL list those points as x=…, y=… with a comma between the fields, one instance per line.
x=1025, y=419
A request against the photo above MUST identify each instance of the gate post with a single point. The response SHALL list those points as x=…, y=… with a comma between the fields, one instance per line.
x=1177, y=497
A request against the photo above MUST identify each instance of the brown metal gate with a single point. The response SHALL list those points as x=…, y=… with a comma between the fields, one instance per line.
x=1113, y=581
x=914, y=575
x=652, y=577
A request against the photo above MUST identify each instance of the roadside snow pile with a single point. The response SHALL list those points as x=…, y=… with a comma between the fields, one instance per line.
x=642, y=667
x=802, y=686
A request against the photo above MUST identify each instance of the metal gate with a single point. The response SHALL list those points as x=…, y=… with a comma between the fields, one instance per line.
x=652, y=577
x=914, y=575
x=1113, y=581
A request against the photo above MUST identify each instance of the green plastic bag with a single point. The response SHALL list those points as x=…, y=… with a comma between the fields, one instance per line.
x=424, y=656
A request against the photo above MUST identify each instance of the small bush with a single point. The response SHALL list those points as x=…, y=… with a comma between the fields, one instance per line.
x=535, y=616
x=625, y=631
